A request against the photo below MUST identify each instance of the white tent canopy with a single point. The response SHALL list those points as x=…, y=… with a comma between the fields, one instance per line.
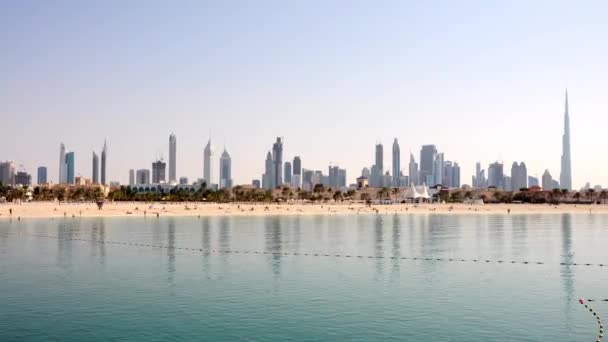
x=420, y=192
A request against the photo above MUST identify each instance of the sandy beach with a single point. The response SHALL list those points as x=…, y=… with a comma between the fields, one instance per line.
x=122, y=209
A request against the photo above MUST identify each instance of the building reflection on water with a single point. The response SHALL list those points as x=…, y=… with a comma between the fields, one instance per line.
x=396, y=240
x=205, y=240
x=272, y=234
x=567, y=257
x=171, y=252
x=98, y=233
x=378, y=242
x=66, y=229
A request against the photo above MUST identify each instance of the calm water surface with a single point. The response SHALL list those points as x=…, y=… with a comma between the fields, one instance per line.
x=77, y=280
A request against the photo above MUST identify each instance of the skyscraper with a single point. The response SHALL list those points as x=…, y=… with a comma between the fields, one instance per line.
x=296, y=174
x=496, y=175
x=307, y=182
x=287, y=173
x=42, y=175
x=377, y=172
x=277, y=157
x=297, y=166
x=208, y=156
x=341, y=178
x=365, y=172
x=519, y=176
x=438, y=169
x=479, y=180
x=23, y=178
x=267, y=177
x=547, y=181
x=172, y=156
x=334, y=177
x=456, y=175
x=95, y=173
x=565, y=177
x=380, y=157
x=62, y=166
x=158, y=172
x=131, y=177
x=70, y=166
x=396, y=163
x=143, y=176
x=448, y=174
x=413, y=171
x=225, y=170
x=427, y=163
x=104, y=153
x=532, y=181
x=7, y=173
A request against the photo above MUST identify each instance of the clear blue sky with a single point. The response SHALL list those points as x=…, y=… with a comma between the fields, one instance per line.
x=483, y=80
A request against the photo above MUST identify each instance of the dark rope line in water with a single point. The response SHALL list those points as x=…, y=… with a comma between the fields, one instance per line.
x=600, y=334
x=338, y=255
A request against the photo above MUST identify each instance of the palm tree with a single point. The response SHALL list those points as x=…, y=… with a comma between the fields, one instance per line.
x=395, y=193
x=556, y=194
x=338, y=196
x=351, y=193
x=590, y=194
x=603, y=194
x=319, y=188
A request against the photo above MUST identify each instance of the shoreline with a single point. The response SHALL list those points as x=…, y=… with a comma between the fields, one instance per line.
x=189, y=209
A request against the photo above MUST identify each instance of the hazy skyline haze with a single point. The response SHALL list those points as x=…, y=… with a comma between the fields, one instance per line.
x=483, y=81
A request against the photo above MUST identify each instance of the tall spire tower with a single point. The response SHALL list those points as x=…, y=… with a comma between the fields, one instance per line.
x=565, y=178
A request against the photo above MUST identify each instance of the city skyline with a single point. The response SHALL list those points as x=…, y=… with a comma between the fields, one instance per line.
x=434, y=169
x=422, y=73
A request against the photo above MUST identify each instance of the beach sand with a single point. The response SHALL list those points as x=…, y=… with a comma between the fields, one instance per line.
x=124, y=209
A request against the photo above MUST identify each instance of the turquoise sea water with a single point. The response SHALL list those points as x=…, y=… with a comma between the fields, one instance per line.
x=134, y=279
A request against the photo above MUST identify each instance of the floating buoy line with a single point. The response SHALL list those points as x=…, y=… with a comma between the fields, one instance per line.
x=306, y=254
x=600, y=323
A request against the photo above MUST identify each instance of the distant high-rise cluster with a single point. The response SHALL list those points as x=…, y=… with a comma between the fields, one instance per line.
x=290, y=173
x=432, y=169
x=519, y=178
